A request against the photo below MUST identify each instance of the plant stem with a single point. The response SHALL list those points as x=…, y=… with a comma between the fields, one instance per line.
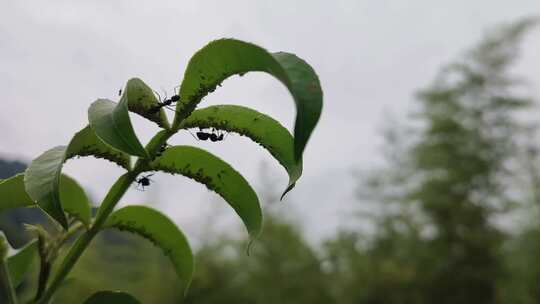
x=113, y=196
x=107, y=206
x=44, y=263
x=48, y=256
x=44, y=272
x=6, y=282
x=63, y=239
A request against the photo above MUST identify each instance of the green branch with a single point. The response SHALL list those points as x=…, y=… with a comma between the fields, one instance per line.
x=6, y=282
x=115, y=193
x=107, y=206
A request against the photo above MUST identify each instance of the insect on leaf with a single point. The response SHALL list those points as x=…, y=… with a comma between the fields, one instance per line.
x=111, y=123
x=261, y=128
x=159, y=229
x=141, y=100
x=218, y=176
x=223, y=58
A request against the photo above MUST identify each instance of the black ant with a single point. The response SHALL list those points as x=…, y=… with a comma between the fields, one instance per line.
x=165, y=103
x=162, y=149
x=217, y=136
x=144, y=181
x=120, y=92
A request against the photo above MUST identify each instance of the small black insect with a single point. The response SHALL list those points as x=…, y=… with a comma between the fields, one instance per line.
x=144, y=181
x=202, y=135
x=120, y=92
x=214, y=135
x=165, y=103
x=162, y=149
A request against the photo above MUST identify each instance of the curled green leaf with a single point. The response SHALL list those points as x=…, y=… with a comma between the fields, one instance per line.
x=42, y=178
x=223, y=58
x=141, y=100
x=111, y=123
x=160, y=230
x=86, y=143
x=218, y=176
x=261, y=128
x=42, y=182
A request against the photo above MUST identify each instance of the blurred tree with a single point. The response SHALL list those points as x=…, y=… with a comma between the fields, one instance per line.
x=380, y=270
x=451, y=181
x=281, y=268
x=462, y=160
x=522, y=249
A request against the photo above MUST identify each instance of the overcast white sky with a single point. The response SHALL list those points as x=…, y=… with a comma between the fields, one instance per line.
x=56, y=57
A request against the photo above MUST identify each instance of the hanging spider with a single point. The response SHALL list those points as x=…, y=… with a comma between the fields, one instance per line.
x=144, y=181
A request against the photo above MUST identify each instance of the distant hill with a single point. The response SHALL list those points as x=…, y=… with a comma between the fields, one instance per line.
x=10, y=168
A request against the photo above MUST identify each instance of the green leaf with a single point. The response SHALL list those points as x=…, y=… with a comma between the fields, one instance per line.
x=111, y=297
x=74, y=200
x=141, y=100
x=218, y=176
x=21, y=262
x=13, y=193
x=42, y=182
x=42, y=178
x=261, y=128
x=111, y=123
x=159, y=229
x=72, y=197
x=223, y=58
x=85, y=143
